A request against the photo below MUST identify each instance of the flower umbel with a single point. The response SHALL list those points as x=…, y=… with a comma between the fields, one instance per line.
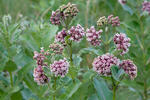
x=93, y=36
x=56, y=48
x=129, y=68
x=60, y=68
x=40, y=57
x=102, y=21
x=56, y=17
x=60, y=37
x=114, y=21
x=39, y=76
x=122, y=42
x=102, y=64
x=146, y=6
x=69, y=10
x=76, y=33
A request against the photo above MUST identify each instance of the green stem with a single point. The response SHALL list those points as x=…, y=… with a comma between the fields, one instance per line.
x=145, y=90
x=11, y=79
x=54, y=96
x=114, y=92
x=71, y=60
x=114, y=88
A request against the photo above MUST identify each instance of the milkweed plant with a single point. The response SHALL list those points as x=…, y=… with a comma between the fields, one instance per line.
x=112, y=64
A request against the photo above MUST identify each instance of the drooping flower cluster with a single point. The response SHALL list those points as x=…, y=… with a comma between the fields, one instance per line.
x=76, y=33
x=60, y=37
x=114, y=21
x=146, y=6
x=93, y=36
x=60, y=68
x=122, y=42
x=102, y=21
x=63, y=13
x=39, y=76
x=102, y=64
x=56, y=48
x=122, y=2
x=129, y=68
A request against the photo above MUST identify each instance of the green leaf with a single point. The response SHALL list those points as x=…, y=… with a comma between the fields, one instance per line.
x=17, y=96
x=76, y=60
x=87, y=50
x=93, y=97
x=128, y=9
x=10, y=66
x=73, y=71
x=70, y=90
x=102, y=89
x=116, y=72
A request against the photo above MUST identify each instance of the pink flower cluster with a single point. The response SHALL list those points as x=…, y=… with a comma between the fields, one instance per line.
x=40, y=57
x=114, y=21
x=122, y=2
x=56, y=17
x=122, y=42
x=93, y=36
x=39, y=76
x=60, y=37
x=56, y=48
x=146, y=6
x=102, y=64
x=60, y=68
x=129, y=68
x=76, y=33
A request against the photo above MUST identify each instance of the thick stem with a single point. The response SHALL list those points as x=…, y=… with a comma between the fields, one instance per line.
x=11, y=79
x=114, y=92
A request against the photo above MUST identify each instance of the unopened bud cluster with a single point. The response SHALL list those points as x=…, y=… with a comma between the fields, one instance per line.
x=93, y=36
x=56, y=48
x=60, y=37
x=102, y=21
x=146, y=6
x=129, y=68
x=60, y=68
x=76, y=33
x=102, y=64
x=39, y=75
x=69, y=10
x=122, y=42
x=63, y=13
x=114, y=21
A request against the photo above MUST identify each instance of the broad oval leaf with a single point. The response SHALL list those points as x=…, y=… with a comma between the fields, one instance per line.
x=102, y=90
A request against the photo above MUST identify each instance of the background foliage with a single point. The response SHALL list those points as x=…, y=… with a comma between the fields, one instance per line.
x=29, y=29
